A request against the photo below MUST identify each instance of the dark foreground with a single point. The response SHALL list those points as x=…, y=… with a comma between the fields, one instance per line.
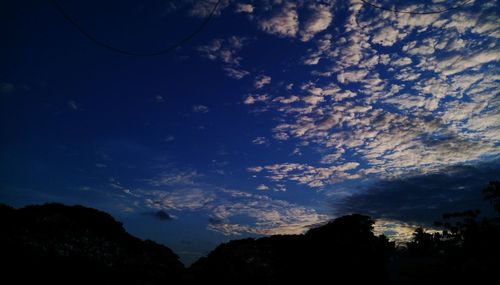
x=57, y=244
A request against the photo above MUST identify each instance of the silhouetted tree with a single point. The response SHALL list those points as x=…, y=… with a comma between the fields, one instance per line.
x=58, y=244
x=343, y=251
x=466, y=252
x=492, y=193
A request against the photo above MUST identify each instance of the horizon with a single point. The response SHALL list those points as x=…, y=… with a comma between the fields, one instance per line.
x=255, y=117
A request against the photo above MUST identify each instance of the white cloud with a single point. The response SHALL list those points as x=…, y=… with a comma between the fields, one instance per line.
x=244, y=8
x=272, y=216
x=262, y=187
x=387, y=36
x=319, y=21
x=429, y=104
x=235, y=73
x=261, y=81
x=352, y=76
x=260, y=140
x=281, y=136
x=285, y=23
x=252, y=99
x=402, y=61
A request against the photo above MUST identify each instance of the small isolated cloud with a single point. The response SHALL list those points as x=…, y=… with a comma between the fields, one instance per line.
x=6, y=88
x=319, y=21
x=200, y=109
x=160, y=215
x=235, y=73
x=72, y=105
x=262, y=187
x=260, y=140
x=159, y=99
x=285, y=23
x=169, y=138
x=261, y=81
x=244, y=8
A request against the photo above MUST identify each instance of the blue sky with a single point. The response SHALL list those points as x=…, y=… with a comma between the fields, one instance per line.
x=277, y=116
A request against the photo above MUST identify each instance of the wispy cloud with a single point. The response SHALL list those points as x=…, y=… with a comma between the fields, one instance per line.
x=200, y=109
x=226, y=51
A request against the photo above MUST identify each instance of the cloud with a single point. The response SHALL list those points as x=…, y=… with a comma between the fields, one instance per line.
x=174, y=177
x=244, y=8
x=226, y=51
x=260, y=140
x=424, y=198
x=284, y=23
x=261, y=81
x=159, y=99
x=160, y=215
x=235, y=73
x=402, y=61
x=429, y=104
x=72, y=105
x=231, y=212
x=262, y=187
x=190, y=199
x=398, y=231
x=252, y=99
x=319, y=21
x=352, y=76
x=388, y=36
x=271, y=216
x=304, y=174
x=203, y=8
x=200, y=109
x=6, y=88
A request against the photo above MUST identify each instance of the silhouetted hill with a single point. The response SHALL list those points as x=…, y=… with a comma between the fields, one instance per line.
x=60, y=244
x=344, y=251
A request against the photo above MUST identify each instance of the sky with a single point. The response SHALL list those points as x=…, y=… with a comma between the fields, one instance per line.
x=275, y=116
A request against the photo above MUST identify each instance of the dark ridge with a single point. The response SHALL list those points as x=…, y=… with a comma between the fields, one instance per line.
x=58, y=244
x=338, y=251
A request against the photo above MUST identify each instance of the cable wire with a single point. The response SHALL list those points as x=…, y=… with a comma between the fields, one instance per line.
x=416, y=13
x=100, y=43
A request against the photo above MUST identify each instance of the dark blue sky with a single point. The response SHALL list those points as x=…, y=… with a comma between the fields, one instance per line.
x=276, y=116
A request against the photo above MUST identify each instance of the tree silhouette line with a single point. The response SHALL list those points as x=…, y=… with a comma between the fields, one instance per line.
x=58, y=244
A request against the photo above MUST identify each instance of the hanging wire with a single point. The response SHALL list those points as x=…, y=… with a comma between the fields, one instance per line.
x=416, y=13
x=102, y=44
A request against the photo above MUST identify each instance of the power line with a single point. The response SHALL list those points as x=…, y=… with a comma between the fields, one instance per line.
x=102, y=44
x=416, y=13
